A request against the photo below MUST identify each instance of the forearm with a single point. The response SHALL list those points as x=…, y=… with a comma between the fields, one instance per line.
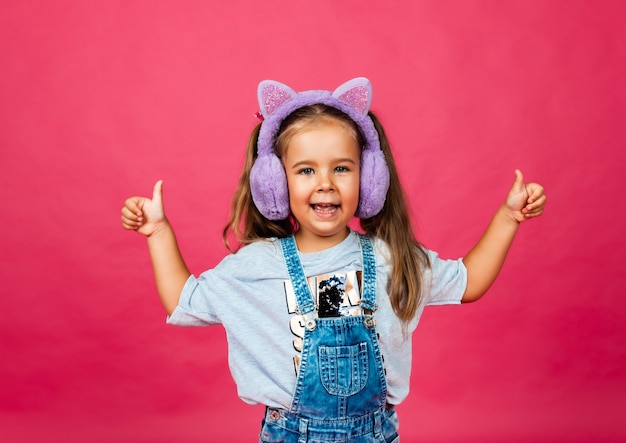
x=485, y=259
x=170, y=270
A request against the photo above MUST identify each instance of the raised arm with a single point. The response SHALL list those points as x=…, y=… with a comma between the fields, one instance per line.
x=147, y=217
x=485, y=259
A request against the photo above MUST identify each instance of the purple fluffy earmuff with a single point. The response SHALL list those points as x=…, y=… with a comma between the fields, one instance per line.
x=268, y=181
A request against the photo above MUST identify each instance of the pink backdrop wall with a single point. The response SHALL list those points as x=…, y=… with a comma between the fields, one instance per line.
x=100, y=99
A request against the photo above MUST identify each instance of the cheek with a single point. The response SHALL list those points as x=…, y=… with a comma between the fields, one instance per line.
x=351, y=190
x=295, y=187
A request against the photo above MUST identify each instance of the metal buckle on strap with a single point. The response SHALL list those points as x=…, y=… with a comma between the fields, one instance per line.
x=310, y=324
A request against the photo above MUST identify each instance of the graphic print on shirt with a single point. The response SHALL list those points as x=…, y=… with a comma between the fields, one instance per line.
x=335, y=295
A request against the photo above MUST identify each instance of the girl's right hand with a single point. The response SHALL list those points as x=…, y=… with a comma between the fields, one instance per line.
x=145, y=215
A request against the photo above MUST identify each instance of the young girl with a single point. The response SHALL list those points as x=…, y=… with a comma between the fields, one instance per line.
x=318, y=316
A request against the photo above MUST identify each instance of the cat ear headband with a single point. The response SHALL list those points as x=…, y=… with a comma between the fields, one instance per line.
x=268, y=181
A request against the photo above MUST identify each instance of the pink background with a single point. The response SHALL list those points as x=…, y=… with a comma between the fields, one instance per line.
x=98, y=100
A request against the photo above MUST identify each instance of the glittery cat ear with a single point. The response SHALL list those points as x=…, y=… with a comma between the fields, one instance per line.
x=356, y=93
x=272, y=95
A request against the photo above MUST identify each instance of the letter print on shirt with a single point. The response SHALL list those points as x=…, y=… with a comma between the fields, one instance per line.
x=335, y=295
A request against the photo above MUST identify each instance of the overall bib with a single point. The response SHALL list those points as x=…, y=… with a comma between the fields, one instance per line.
x=341, y=390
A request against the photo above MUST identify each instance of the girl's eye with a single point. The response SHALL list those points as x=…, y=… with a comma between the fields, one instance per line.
x=306, y=171
x=341, y=169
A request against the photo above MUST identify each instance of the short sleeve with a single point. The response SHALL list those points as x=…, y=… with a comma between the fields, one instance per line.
x=193, y=306
x=447, y=280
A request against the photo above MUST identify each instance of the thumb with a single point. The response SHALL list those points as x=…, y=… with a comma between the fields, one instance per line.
x=518, y=183
x=157, y=193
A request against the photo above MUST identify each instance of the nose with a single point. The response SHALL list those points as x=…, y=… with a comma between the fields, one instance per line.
x=325, y=183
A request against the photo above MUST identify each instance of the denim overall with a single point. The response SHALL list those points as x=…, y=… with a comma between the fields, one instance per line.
x=341, y=391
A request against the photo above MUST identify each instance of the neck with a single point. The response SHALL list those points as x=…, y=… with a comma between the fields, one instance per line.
x=308, y=243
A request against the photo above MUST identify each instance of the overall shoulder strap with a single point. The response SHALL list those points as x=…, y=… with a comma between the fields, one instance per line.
x=301, y=288
x=368, y=296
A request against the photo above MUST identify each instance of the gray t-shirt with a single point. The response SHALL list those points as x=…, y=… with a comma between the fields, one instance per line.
x=249, y=293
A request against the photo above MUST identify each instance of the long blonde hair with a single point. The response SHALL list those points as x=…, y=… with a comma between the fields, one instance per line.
x=392, y=224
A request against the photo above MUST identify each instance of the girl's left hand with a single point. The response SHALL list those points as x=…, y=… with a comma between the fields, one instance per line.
x=525, y=200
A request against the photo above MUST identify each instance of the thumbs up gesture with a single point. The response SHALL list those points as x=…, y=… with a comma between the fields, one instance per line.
x=525, y=200
x=144, y=215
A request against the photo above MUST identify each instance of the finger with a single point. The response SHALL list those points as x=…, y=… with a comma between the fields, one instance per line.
x=129, y=223
x=130, y=220
x=537, y=204
x=129, y=227
x=518, y=189
x=518, y=183
x=129, y=213
x=134, y=204
x=535, y=191
x=536, y=208
x=157, y=193
x=534, y=213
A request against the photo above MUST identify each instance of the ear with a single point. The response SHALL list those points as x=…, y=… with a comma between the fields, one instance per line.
x=272, y=95
x=356, y=93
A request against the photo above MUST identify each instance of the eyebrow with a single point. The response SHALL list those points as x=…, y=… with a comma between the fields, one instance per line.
x=308, y=162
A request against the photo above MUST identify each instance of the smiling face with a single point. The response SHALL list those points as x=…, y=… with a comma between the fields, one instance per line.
x=322, y=163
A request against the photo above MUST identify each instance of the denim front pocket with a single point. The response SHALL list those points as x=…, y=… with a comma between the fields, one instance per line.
x=343, y=369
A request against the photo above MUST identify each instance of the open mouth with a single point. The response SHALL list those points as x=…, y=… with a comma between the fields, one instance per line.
x=324, y=208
